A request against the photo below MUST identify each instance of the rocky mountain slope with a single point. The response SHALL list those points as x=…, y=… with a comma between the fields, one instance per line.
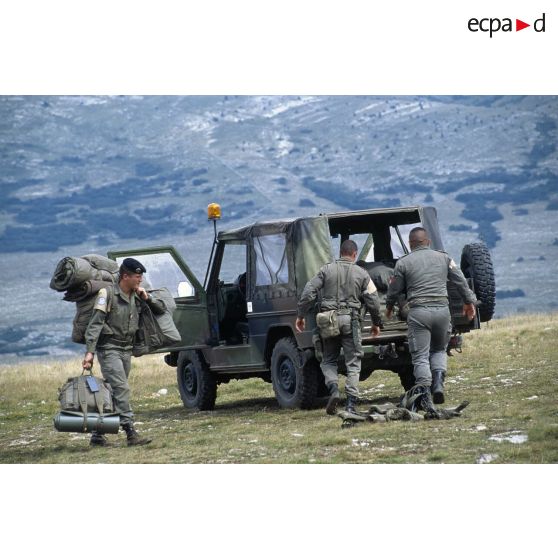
x=87, y=174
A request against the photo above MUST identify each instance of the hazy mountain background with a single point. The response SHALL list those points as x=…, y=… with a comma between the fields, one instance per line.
x=88, y=174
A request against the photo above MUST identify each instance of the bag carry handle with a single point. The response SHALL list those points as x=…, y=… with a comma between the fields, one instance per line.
x=82, y=394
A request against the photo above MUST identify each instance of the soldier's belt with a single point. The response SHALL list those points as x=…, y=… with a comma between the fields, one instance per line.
x=434, y=301
x=344, y=312
x=116, y=343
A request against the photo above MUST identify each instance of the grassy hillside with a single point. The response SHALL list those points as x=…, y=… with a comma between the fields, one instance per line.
x=507, y=371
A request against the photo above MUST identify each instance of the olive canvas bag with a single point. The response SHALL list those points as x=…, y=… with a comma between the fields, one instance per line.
x=86, y=394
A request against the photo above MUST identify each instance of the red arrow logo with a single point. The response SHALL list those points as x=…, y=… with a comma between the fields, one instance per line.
x=519, y=25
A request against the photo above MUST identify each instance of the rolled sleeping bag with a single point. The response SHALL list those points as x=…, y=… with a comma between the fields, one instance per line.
x=67, y=421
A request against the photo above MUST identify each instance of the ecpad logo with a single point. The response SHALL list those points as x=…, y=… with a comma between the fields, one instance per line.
x=493, y=25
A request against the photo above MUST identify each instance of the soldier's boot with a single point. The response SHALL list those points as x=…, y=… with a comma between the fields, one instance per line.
x=427, y=405
x=350, y=406
x=438, y=377
x=334, y=398
x=133, y=438
x=98, y=440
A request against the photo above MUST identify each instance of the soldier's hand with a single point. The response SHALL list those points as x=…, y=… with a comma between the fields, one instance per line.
x=88, y=361
x=469, y=311
x=142, y=293
x=300, y=324
x=375, y=331
x=389, y=313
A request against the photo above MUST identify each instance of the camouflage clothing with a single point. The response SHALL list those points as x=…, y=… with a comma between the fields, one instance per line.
x=423, y=275
x=344, y=287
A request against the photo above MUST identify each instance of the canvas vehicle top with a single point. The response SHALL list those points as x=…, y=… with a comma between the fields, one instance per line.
x=240, y=322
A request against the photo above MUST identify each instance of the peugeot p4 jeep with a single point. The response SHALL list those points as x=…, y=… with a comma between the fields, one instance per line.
x=239, y=323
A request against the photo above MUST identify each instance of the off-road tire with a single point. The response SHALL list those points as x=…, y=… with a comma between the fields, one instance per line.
x=476, y=264
x=295, y=385
x=322, y=391
x=196, y=383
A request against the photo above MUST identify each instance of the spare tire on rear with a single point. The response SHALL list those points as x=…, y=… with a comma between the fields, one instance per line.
x=476, y=264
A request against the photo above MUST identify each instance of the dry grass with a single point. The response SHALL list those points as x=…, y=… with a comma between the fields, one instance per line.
x=507, y=371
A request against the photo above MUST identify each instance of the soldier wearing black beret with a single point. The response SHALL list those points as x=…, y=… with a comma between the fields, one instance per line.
x=131, y=265
x=110, y=335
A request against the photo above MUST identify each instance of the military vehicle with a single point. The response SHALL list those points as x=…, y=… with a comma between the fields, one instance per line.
x=240, y=322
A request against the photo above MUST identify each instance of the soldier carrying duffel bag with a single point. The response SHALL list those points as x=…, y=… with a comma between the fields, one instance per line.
x=110, y=337
x=116, y=318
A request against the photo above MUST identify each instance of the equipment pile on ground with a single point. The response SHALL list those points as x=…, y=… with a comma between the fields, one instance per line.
x=388, y=412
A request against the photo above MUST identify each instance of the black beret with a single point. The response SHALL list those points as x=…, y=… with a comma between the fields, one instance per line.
x=132, y=265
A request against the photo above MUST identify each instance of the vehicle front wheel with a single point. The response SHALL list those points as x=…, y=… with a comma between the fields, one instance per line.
x=295, y=385
x=196, y=383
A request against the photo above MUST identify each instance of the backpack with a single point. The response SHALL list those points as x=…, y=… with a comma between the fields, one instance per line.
x=84, y=310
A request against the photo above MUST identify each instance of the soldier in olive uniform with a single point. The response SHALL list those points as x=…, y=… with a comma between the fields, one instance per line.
x=423, y=275
x=344, y=287
x=110, y=334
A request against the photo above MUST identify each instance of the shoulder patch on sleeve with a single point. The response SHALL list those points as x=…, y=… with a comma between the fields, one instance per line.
x=101, y=301
x=371, y=288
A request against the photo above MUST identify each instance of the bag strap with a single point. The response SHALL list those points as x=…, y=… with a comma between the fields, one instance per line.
x=339, y=267
x=338, y=286
x=110, y=294
x=82, y=398
x=98, y=401
x=82, y=395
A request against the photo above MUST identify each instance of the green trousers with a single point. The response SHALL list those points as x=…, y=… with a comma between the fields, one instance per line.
x=115, y=368
x=331, y=351
x=429, y=335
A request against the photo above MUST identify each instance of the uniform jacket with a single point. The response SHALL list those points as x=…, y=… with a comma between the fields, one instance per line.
x=423, y=275
x=115, y=319
x=355, y=289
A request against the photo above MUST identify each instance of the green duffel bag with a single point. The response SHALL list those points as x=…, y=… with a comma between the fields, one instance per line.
x=86, y=393
x=86, y=402
x=156, y=330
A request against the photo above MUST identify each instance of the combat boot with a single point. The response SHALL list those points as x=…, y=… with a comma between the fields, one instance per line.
x=438, y=377
x=350, y=405
x=133, y=438
x=98, y=440
x=334, y=398
x=427, y=405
